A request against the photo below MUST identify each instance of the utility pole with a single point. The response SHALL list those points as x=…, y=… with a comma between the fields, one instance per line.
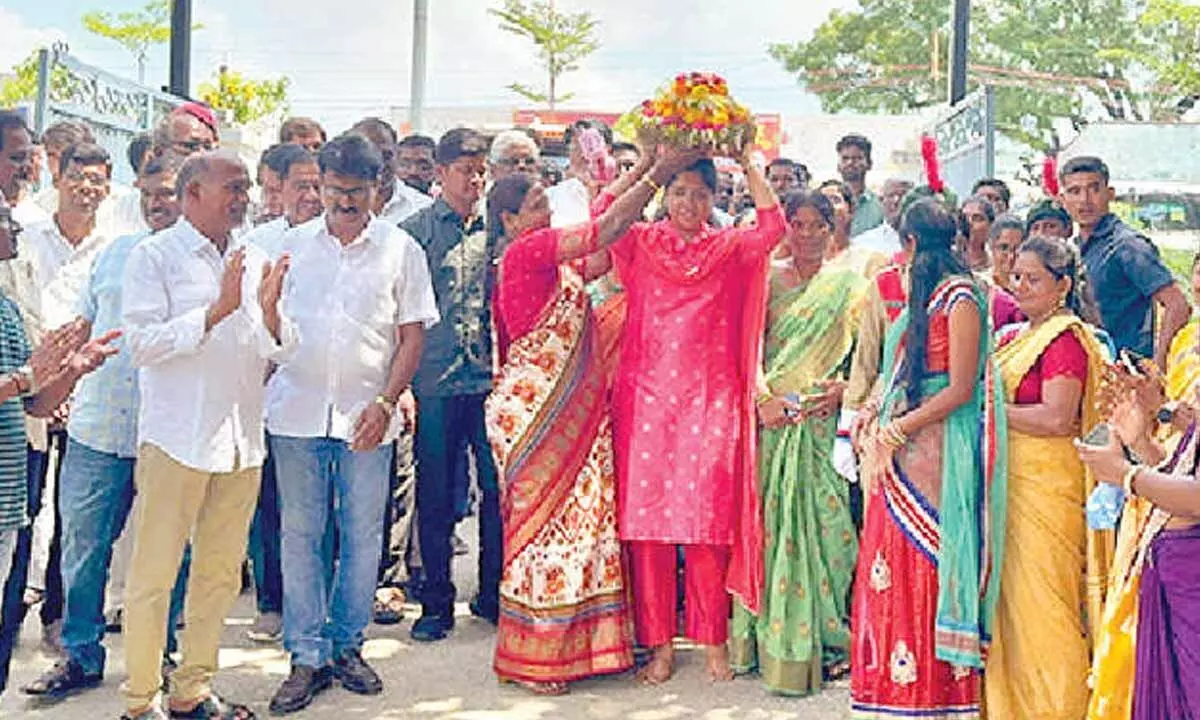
x=960, y=33
x=416, y=99
x=181, y=48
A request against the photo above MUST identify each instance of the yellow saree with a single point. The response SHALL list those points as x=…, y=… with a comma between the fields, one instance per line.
x=1055, y=569
x=1112, y=676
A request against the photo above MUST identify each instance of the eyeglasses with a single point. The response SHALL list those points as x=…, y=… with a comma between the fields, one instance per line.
x=190, y=147
x=526, y=162
x=354, y=193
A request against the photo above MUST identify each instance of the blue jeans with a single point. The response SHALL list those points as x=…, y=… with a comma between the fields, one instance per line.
x=264, y=550
x=96, y=493
x=319, y=626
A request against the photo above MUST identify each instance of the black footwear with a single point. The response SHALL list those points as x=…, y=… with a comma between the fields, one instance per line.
x=63, y=680
x=356, y=675
x=431, y=628
x=484, y=610
x=298, y=691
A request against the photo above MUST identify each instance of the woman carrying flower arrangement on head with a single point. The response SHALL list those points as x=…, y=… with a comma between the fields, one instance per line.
x=563, y=609
x=927, y=578
x=683, y=401
x=803, y=632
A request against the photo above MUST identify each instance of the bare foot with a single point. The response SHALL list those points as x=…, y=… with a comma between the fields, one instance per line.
x=545, y=689
x=660, y=668
x=718, y=663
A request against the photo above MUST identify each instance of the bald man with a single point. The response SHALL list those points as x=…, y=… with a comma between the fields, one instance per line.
x=201, y=317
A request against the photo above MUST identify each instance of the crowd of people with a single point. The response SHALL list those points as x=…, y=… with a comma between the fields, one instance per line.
x=820, y=432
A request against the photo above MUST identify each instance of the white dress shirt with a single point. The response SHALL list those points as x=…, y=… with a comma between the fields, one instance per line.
x=119, y=215
x=882, y=239
x=61, y=268
x=406, y=201
x=201, y=392
x=343, y=306
x=268, y=237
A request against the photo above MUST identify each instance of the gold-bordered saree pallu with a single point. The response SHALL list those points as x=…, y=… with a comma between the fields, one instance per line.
x=563, y=610
x=1055, y=570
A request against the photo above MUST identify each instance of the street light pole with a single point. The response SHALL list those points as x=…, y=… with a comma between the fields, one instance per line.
x=181, y=47
x=416, y=101
x=960, y=34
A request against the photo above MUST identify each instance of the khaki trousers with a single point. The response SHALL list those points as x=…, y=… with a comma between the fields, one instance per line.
x=175, y=503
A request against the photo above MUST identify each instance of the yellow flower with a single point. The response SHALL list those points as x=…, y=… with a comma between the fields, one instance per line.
x=700, y=92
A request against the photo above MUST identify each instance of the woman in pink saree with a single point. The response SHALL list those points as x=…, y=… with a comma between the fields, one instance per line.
x=683, y=413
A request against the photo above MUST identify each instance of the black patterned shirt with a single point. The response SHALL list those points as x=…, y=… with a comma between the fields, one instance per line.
x=458, y=350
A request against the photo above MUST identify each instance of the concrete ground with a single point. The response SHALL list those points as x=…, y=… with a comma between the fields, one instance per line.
x=450, y=680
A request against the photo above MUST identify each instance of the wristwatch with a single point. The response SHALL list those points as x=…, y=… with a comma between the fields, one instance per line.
x=26, y=382
x=387, y=403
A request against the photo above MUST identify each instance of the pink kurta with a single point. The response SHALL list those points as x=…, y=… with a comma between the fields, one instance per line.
x=683, y=391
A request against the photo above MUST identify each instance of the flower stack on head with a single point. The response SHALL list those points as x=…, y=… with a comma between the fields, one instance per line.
x=696, y=110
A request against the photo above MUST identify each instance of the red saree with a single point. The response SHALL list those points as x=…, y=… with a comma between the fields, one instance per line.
x=563, y=610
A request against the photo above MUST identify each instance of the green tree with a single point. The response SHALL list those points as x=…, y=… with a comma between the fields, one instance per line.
x=22, y=86
x=137, y=30
x=562, y=40
x=1047, y=59
x=245, y=98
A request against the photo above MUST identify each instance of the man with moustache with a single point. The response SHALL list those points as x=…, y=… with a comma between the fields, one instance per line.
x=357, y=310
x=201, y=319
x=395, y=202
x=414, y=163
x=452, y=383
x=300, y=198
x=885, y=239
x=96, y=490
x=302, y=131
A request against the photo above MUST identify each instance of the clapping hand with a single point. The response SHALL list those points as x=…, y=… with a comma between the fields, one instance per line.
x=93, y=353
x=270, y=290
x=230, y=298
x=48, y=360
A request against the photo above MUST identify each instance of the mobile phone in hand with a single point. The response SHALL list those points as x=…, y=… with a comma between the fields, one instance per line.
x=1099, y=436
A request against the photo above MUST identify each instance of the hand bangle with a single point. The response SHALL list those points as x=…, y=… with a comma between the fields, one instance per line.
x=1128, y=479
x=386, y=403
x=894, y=436
x=653, y=185
x=763, y=398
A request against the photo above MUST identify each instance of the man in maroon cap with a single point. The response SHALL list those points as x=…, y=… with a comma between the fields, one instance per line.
x=190, y=128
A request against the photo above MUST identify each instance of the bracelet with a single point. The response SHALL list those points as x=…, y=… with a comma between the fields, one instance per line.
x=653, y=185
x=26, y=380
x=1128, y=478
x=763, y=398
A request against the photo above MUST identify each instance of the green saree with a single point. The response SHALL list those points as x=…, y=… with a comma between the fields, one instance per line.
x=810, y=543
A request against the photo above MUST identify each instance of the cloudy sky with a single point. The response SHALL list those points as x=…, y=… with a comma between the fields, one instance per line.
x=350, y=57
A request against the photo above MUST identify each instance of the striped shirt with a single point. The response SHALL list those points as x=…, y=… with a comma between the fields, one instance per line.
x=14, y=353
x=104, y=411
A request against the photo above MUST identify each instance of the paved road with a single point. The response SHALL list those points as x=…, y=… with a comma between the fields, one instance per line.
x=451, y=680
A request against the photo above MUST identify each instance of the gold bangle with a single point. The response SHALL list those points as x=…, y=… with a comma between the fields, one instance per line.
x=763, y=398
x=894, y=435
x=653, y=185
x=1129, y=477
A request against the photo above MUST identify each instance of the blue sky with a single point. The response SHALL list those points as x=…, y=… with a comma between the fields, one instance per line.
x=352, y=57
